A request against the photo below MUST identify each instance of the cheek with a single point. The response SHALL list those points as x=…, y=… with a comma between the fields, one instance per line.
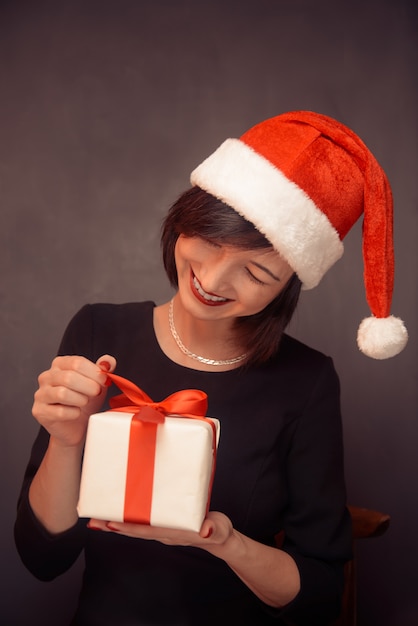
x=255, y=299
x=184, y=250
x=263, y=296
x=180, y=254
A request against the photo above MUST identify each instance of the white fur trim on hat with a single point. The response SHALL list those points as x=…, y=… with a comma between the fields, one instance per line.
x=277, y=207
x=382, y=338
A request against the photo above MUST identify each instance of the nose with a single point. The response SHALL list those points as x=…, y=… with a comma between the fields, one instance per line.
x=216, y=272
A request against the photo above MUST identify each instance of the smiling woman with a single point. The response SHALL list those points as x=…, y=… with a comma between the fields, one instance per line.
x=213, y=229
x=266, y=213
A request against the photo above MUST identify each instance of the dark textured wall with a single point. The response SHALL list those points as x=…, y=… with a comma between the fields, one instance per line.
x=105, y=107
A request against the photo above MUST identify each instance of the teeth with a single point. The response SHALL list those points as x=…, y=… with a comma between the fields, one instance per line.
x=206, y=296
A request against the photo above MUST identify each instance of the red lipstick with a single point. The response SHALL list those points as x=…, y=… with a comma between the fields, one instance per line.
x=203, y=300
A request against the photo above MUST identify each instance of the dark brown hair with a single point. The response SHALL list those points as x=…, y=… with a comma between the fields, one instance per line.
x=199, y=214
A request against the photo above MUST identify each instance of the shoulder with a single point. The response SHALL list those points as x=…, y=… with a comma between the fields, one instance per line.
x=107, y=313
x=299, y=369
x=125, y=310
x=296, y=353
x=102, y=327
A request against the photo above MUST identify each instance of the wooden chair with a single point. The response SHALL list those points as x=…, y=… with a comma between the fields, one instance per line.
x=366, y=523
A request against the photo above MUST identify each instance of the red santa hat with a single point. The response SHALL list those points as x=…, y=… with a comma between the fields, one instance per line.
x=303, y=179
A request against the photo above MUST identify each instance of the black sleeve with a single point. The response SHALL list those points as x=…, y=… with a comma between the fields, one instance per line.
x=318, y=524
x=46, y=555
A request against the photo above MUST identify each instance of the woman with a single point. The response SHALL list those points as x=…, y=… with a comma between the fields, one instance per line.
x=237, y=246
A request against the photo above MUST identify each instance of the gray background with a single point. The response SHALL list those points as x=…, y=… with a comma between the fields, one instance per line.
x=105, y=108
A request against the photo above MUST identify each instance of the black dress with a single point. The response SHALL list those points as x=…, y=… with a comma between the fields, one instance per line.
x=279, y=468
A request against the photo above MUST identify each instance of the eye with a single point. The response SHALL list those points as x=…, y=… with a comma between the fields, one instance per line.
x=253, y=278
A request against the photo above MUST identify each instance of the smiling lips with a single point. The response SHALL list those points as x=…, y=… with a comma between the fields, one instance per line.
x=205, y=297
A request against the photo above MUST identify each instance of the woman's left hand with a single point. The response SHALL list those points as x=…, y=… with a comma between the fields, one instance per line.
x=215, y=530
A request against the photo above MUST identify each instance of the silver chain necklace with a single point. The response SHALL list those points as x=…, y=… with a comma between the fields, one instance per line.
x=192, y=355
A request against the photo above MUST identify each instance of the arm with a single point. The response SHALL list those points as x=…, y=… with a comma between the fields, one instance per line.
x=47, y=532
x=68, y=393
x=270, y=573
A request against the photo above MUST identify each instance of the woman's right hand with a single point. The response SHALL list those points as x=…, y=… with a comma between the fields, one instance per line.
x=69, y=392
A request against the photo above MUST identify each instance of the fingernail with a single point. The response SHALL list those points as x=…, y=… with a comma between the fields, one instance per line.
x=112, y=528
x=104, y=365
x=210, y=531
x=91, y=527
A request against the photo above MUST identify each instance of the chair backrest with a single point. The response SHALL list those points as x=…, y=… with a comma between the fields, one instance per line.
x=366, y=523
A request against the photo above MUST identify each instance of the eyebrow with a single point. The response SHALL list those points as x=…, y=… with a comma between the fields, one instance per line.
x=265, y=269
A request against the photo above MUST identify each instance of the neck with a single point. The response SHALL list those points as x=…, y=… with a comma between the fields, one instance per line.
x=208, y=342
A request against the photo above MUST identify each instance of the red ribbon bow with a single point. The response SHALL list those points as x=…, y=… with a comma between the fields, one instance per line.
x=188, y=403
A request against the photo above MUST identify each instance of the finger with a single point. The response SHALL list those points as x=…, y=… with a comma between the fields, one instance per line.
x=97, y=524
x=207, y=529
x=169, y=536
x=73, y=372
x=53, y=412
x=106, y=363
x=76, y=363
x=63, y=381
x=144, y=531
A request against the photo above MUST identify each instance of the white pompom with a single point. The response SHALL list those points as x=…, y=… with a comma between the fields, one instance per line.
x=382, y=338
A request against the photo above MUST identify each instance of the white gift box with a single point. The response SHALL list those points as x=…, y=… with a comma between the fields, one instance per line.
x=183, y=469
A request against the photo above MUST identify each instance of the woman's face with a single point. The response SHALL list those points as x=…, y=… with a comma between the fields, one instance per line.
x=218, y=281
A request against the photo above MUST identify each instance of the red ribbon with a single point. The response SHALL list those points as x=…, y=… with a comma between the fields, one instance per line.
x=188, y=403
